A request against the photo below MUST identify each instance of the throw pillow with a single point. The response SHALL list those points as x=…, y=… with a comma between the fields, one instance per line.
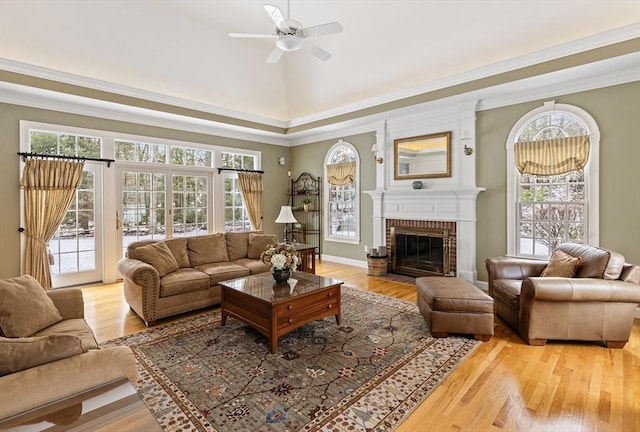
x=23, y=353
x=561, y=265
x=258, y=243
x=207, y=249
x=178, y=248
x=25, y=307
x=159, y=256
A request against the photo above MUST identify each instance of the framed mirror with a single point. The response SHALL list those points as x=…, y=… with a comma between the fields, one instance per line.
x=426, y=156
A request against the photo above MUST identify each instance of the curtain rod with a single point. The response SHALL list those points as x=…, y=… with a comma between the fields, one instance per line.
x=44, y=155
x=239, y=170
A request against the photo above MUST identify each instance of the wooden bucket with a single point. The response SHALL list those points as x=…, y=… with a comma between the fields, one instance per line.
x=377, y=265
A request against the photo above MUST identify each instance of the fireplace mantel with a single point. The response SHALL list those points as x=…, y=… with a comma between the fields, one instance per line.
x=452, y=203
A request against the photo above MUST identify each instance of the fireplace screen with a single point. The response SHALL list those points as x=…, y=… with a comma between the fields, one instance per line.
x=420, y=251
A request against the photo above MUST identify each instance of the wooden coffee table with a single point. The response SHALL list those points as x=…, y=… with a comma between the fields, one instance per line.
x=276, y=309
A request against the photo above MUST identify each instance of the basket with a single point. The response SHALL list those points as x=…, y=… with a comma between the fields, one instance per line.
x=377, y=265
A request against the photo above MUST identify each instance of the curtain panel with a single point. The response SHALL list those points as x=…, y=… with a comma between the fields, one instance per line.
x=251, y=189
x=49, y=187
x=552, y=157
x=341, y=174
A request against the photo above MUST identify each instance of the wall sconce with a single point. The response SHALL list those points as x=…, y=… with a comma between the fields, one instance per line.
x=466, y=136
x=375, y=151
x=281, y=160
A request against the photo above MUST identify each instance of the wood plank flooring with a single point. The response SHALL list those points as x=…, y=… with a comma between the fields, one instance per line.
x=504, y=385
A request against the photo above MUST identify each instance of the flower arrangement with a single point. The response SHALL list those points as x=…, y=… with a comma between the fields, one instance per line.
x=280, y=256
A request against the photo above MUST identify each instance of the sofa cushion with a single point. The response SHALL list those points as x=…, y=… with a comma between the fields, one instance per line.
x=131, y=249
x=594, y=259
x=258, y=243
x=25, y=307
x=218, y=272
x=255, y=266
x=207, y=249
x=18, y=354
x=183, y=281
x=507, y=291
x=237, y=244
x=159, y=256
x=77, y=327
x=630, y=273
x=561, y=264
x=178, y=248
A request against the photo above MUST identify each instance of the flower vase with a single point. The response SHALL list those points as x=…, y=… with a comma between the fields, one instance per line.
x=281, y=275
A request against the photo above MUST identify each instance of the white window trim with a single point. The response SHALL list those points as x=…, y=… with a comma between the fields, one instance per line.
x=591, y=173
x=327, y=235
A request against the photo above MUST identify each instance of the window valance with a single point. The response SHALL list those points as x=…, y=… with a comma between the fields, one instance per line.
x=341, y=173
x=552, y=157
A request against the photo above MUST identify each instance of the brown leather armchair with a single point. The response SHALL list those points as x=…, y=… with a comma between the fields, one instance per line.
x=597, y=304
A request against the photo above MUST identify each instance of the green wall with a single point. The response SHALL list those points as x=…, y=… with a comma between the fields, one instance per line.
x=275, y=177
x=310, y=158
x=616, y=110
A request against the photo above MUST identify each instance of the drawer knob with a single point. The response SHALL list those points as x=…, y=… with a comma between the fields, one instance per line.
x=329, y=294
x=290, y=320
x=330, y=306
x=290, y=307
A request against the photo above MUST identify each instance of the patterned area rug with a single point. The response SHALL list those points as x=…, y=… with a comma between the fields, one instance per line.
x=368, y=373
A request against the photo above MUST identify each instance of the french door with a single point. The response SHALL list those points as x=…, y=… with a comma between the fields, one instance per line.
x=76, y=247
x=156, y=203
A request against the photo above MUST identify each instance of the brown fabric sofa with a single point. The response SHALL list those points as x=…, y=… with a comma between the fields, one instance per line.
x=58, y=361
x=188, y=278
x=597, y=304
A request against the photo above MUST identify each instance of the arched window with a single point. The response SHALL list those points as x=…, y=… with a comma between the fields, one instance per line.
x=552, y=180
x=342, y=194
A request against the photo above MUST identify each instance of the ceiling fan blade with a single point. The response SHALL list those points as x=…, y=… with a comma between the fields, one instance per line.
x=321, y=30
x=277, y=18
x=275, y=55
x=253, y=35
x=317, y=51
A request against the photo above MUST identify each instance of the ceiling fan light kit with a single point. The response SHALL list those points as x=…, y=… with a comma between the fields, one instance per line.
x=291, y=36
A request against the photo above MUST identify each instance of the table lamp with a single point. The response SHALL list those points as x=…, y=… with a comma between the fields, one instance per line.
x=285, y=217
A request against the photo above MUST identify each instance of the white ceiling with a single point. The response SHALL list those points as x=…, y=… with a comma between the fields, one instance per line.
x=180, y=48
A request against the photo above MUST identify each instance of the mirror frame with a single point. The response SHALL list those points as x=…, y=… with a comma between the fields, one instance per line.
x=431, y=137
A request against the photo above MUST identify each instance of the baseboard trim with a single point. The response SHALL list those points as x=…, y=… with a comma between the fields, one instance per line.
x=342, y=260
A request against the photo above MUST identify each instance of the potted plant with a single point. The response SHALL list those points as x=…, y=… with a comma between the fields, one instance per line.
x=305, y=203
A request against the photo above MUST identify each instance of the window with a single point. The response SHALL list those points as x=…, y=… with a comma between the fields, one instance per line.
x=235, y=214
x=342, y=196
x=546, y=210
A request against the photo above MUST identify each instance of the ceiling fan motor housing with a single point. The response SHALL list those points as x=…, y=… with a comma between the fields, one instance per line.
x=289, y=41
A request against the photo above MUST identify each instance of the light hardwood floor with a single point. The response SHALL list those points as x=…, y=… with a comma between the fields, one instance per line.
x=504, y=385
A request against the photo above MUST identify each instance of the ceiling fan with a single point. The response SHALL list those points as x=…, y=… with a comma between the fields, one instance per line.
x=291, y=36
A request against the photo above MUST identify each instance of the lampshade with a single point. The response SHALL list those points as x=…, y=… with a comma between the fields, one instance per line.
x=286, y=216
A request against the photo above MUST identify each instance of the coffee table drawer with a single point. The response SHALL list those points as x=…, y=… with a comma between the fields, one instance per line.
x=300, y=305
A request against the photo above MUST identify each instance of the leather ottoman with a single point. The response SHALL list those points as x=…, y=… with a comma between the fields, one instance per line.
x=452, y=305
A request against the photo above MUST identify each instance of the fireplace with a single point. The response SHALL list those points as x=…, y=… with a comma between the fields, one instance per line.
x=420, y=251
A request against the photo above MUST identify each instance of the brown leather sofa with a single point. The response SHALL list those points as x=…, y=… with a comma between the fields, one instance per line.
x=597, y=304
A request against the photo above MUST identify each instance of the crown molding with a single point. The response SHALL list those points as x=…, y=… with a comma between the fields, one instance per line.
x=580, y=45
x=119, y=89
x=46, y=99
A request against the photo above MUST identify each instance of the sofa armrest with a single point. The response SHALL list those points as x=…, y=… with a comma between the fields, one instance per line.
x=512, y=268
x=578, y=290
x=135, y=270
x=68, y=301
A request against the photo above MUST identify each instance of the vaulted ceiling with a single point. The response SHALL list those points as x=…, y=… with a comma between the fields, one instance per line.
x=180, y=49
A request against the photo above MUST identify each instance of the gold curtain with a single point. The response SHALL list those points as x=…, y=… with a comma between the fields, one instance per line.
x=341, y=174
x=251, y=189
x=49, y=187
x=552, y=157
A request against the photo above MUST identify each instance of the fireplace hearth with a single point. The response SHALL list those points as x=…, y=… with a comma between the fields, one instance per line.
x=420, y=251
